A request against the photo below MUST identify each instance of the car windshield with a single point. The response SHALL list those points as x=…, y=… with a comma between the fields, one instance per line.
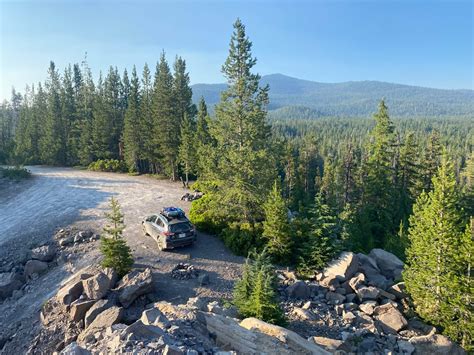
x=180, y=227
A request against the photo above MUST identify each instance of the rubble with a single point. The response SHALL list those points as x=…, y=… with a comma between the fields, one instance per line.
x=184, y=271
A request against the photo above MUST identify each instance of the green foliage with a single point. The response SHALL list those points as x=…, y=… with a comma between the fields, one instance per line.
x=204, y=217
x=15, y=173
x=241, y=237
x=116, y=252
x=439, y=257
x=276, y=227
x=322, y=242
x=108, y=165
x=255, y=294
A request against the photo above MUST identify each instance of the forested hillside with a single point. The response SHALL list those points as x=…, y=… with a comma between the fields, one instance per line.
x=303, y=190
x=295, y=98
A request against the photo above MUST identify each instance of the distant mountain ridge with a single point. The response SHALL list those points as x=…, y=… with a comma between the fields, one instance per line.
x=297, y=98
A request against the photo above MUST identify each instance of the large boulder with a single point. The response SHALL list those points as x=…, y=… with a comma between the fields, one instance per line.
x=79, y=308
x=328, y=343
x=97, y=286
x=390, y=318
x=389, y=265
x=107, y=318
x=345, y=266
x=9, y=282
x=72, y=288
x=140, y=331
x=435, y=344
x=298, y=290
x=367, y=293
x=34, y=267
x=289, y=339
x=133, y=285
x=154, y=316
x=97, y=308
x=44, y=253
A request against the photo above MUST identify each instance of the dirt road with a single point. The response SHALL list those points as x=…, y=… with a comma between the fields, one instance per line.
x=32, y=210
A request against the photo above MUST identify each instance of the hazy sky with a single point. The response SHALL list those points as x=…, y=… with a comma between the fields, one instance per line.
x=426, y=43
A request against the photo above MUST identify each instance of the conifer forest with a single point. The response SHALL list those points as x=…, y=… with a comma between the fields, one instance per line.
x=300, y=189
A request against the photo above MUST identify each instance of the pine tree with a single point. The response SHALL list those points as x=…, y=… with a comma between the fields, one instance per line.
x=187, y=148
x=245, y=165
x=117, y=254
x=53, y=142
x=322, y=244
x=146, y=126
x=204, y=142
x=132, y=138
x=165, y=123
x=69, y=114
x=255, y=293
x=276, y=227
x=434, y=260
x=377, y=216
x=431, y=160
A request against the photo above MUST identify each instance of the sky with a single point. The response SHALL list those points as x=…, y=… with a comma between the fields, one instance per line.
x=424, y=43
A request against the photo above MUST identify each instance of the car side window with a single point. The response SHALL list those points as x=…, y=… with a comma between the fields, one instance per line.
x=160, y=223
x=151, y=219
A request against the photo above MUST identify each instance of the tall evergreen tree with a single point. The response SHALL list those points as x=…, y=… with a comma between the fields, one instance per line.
x=431, y=160
x=435, y=261
x=187, y=147
x=276, y=227
x=379, y=195
x=165, y=124
x=245, y=169
x=204, y=141
x=53, y=142
x=132, y=138
x=146, y=126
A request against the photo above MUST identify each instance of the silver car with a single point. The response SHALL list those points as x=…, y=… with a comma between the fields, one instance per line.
x=169, y=233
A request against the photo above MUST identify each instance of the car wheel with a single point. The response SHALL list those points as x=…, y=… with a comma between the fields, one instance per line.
x=161, y=246
x=144, y=230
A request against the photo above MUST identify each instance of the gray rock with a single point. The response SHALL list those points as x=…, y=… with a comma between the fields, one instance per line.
x=330, y=281
x=97, y=308
x=9, y=282
x=368, y=307
x=367, y=293
x=155, y=317
x=390, y=318
x=140, y=331
x=303, y=314
x=345, y=265
x=198, y=303
x=34, y=267
x=389, y=265
x=405, y=347
x=74, y=349
x=348, y=317
x=385, y=294
x=327, y=343
x=107, y=318
x=79, y=308
x=133, y=285
x=299, y=290
x=172, y=350
x=351, y=297
x=435, y=344
x=335, y=298
x=72, y=289
x=357, y=281
x=44, y=253
x=97, y=286
x=112, y=275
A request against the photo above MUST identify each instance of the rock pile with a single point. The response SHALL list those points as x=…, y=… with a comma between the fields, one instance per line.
x=184, y=271
x=65, y=237
x=75, y=321
x=358, y=305
x=196, y=195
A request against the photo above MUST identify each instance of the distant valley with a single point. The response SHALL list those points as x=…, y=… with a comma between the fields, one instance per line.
x=296, y=98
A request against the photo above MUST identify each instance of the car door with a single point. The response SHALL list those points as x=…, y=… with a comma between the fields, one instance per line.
x=149, y=225
x=160, y=227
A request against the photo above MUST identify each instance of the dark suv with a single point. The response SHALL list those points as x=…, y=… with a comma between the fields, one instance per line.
x=169, y=232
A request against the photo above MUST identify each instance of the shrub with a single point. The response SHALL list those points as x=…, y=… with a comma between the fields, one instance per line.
x=117, y=254
x=203, y=218
x=241, y=238
x=255, y=295
x=15, y=173
x=108, y=165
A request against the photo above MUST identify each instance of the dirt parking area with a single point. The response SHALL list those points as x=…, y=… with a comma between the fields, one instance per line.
x=31, y=211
